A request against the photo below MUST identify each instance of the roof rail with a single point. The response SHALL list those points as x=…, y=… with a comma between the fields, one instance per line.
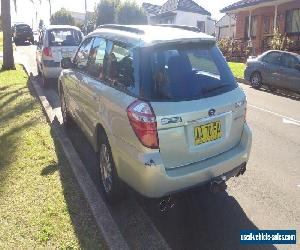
x=122, y=28
x=183, y=27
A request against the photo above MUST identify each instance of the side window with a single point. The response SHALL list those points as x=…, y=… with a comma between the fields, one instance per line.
x=289, y=61
x=97, y=57
x=119, y=70
x=273, y=58
x=82, y=56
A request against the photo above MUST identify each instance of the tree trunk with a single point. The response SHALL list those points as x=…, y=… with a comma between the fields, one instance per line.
x=8, y=55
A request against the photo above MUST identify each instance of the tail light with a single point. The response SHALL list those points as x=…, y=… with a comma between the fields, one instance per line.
x=47, y=52
x=143, y=122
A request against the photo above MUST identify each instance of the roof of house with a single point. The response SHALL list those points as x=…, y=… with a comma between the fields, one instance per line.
x=151, y=8
x=243, y=4
x=171, y=5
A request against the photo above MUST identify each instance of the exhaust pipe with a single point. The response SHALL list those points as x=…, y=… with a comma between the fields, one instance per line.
x=217, y=186
x=166, y=204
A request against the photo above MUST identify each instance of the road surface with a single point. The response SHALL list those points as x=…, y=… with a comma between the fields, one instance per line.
x=266, y=197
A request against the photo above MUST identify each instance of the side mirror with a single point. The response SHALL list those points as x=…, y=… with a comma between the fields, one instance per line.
x=66, y=63
x=297, y=67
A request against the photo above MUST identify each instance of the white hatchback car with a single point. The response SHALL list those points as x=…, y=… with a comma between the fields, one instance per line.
x=56, y=42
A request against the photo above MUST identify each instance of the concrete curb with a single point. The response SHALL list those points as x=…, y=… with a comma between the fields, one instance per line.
x=107, y=226
x=240, y=80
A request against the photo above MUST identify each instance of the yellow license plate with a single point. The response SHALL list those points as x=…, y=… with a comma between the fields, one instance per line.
x=208, y=132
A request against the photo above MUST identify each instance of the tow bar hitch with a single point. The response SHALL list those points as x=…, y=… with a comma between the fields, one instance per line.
x=218, y=185
x=166, y=204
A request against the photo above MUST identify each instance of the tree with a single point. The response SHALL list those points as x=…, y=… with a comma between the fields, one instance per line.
x=106, y=11
x=279, y=41
x=62, y=17
x=130, y=13
x=8, y=55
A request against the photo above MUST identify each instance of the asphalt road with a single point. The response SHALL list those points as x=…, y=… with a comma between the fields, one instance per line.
x=266, y=197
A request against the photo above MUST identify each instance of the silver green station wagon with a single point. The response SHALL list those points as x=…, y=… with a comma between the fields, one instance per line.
x=160, y=107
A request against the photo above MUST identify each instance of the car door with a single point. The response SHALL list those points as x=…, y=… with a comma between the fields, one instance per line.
x=76, y=100
x=90, y=87
x=289, y=75
x=271, y=65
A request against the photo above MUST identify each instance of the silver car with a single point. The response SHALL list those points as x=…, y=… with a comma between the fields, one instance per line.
x=56, y=42
x=160, y=107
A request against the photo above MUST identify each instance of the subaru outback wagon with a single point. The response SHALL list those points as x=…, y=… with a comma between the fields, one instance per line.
x=160, y=107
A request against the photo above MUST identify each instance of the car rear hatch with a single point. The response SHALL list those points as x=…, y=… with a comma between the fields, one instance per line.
x=63, y=42
x=199, y=108
x=193, y=131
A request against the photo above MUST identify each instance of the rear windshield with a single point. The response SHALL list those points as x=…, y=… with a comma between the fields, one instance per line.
x=23, y=27
x=64, y=37
x=184, y=72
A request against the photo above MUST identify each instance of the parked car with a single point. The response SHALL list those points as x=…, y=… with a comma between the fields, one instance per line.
x=160, y=107
x=21, y=33
x=276, y=69
x=55, y=43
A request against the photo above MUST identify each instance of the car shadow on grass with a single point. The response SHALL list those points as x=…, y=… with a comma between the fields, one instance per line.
x=81, y=216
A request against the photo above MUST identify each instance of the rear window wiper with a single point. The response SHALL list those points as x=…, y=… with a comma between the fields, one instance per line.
x=215, y=88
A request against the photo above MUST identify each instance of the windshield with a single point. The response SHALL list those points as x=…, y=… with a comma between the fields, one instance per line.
x=64, y=37
x=184, y=72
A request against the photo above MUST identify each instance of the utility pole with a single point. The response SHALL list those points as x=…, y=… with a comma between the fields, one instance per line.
x=50, y=9
x=85, y=19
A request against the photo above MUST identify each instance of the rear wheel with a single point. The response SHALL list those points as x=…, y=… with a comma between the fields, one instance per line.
x=111, y=184
x=45, y=81
x=67, y=119
x=38, y=70
x=256, y=80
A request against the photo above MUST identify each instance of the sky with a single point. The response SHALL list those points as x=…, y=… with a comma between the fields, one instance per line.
x=27, y=12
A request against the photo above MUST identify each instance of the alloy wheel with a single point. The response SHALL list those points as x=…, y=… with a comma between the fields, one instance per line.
x=106, y=168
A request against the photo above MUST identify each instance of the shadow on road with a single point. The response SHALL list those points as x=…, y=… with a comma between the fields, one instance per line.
x=281, y=92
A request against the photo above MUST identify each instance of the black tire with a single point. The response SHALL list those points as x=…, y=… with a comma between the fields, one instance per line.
x=111, y=184
x=38, y=70
x=256, y=80
x=45, y=81
x=67, y=119
x=272, y=88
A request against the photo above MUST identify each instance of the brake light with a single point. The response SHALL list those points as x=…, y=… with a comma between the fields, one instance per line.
x=143, y=122
x=47, y=52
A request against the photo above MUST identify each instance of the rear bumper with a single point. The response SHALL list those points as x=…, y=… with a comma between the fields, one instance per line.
x=51, y=70
x=151, y=179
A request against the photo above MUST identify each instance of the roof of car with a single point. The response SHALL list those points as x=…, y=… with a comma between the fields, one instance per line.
x=148, y=35
x=50, y=27
x=282, y=51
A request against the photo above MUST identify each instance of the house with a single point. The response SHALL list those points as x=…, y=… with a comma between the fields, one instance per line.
x=180, y=12
x=225, y=27
x=256, y=20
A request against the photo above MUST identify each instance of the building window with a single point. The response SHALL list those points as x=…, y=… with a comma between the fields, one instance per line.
x=253, y=28
x=201, y=26
x=293, y=21
x=266, y=24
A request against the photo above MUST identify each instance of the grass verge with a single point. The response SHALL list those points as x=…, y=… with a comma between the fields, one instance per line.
x=237, y=69
x=41, y=204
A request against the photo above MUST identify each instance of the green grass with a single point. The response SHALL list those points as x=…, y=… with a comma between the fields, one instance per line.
x=237, y=69
x=41, y=205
